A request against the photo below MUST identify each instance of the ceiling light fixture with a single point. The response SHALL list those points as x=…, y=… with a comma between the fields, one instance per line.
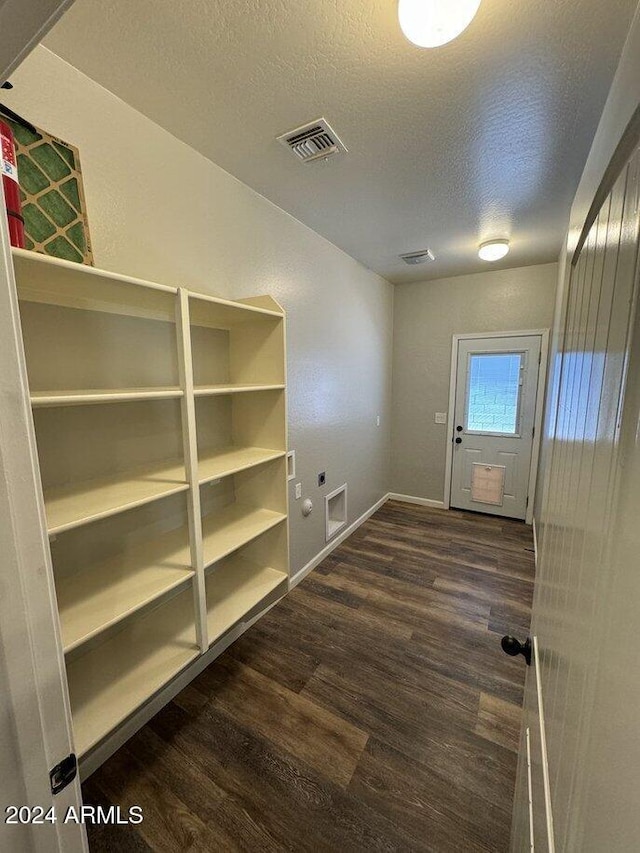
x=494, y=250
x=431, y=23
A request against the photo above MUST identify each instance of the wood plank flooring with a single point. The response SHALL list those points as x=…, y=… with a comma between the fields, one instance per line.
x=372, y=709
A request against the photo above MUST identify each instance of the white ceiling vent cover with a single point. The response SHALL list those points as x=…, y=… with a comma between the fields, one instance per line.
x=314, y=141
x=413, y=258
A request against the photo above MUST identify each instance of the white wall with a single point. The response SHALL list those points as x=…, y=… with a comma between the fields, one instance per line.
x=427, y=315
x=159, y=210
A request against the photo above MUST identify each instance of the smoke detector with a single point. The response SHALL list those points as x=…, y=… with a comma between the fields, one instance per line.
x=314, y=141
x=413, y=258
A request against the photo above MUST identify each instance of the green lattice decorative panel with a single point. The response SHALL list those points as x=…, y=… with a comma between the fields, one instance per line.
x=53, y=203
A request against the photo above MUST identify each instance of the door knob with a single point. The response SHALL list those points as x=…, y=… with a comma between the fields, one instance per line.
x=514, y=647
x=458, y=428
x=458, y=440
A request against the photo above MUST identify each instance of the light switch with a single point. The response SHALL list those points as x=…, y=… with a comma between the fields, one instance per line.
x=298, y=491
x=441, y=417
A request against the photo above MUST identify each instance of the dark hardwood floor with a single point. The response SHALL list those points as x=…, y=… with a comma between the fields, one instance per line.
x=372, y=709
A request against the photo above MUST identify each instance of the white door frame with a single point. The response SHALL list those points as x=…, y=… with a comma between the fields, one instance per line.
x=36, y=729
x=542, y=378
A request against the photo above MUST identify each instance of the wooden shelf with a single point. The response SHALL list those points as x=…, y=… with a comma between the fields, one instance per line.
x=110, y=681
x=53, y=281
x=217, y=313
x=236, y=588
x=71, y=506
x=211, y=390
x=225, y=531
x=41, y=399
x=98, y=597
x=230, y=460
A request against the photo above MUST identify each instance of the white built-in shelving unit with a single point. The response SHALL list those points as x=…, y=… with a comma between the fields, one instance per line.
x=160, y=420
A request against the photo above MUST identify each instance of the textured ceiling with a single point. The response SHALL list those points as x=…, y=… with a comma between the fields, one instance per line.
x=485, y=137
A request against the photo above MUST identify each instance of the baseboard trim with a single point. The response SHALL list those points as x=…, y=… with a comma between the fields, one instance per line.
x=411, y=499
x=310, y=566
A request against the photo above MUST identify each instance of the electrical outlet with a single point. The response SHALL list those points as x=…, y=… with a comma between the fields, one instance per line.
x=322, y=478
x=298, y=491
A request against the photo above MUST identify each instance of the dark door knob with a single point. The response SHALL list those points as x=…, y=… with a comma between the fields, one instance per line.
x=458, y=428
x=458, y=440
x=514, y=647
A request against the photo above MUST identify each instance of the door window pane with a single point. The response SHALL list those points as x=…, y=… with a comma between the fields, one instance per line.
x=493, y=392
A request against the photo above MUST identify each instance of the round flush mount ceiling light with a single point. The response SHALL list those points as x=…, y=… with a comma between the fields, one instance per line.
x=431, y=23
x=494, y=250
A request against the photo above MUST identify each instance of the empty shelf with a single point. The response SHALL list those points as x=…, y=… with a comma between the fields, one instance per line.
x=53, y=281
x=70, y=506
x=217, y=313
x=235, y=588
x=110, y=681
x=40, y=399
x=99, y=596
x=210, y=390
x=230, y=460
x=225, y=531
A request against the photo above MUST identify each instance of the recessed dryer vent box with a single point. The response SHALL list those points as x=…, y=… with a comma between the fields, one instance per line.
x=335, y=511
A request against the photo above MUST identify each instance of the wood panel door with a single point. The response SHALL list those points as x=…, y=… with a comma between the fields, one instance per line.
x=579, y=789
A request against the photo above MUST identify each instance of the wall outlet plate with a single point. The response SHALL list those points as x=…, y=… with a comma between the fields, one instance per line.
x=322, y=478
x=441, y=418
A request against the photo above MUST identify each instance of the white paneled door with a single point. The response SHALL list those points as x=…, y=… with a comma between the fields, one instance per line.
x=493, y=425
x=35, y=722
x=578, y=784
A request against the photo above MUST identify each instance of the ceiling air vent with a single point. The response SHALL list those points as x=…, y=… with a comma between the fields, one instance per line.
x=418, y=257
x=314, y=141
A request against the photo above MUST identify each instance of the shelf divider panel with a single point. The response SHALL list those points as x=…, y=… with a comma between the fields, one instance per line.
x=190, y=442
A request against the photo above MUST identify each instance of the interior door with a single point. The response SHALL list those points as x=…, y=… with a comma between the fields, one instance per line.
x=35, y=726
x=495, y=407
x=35, y=721
x=580, y=790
